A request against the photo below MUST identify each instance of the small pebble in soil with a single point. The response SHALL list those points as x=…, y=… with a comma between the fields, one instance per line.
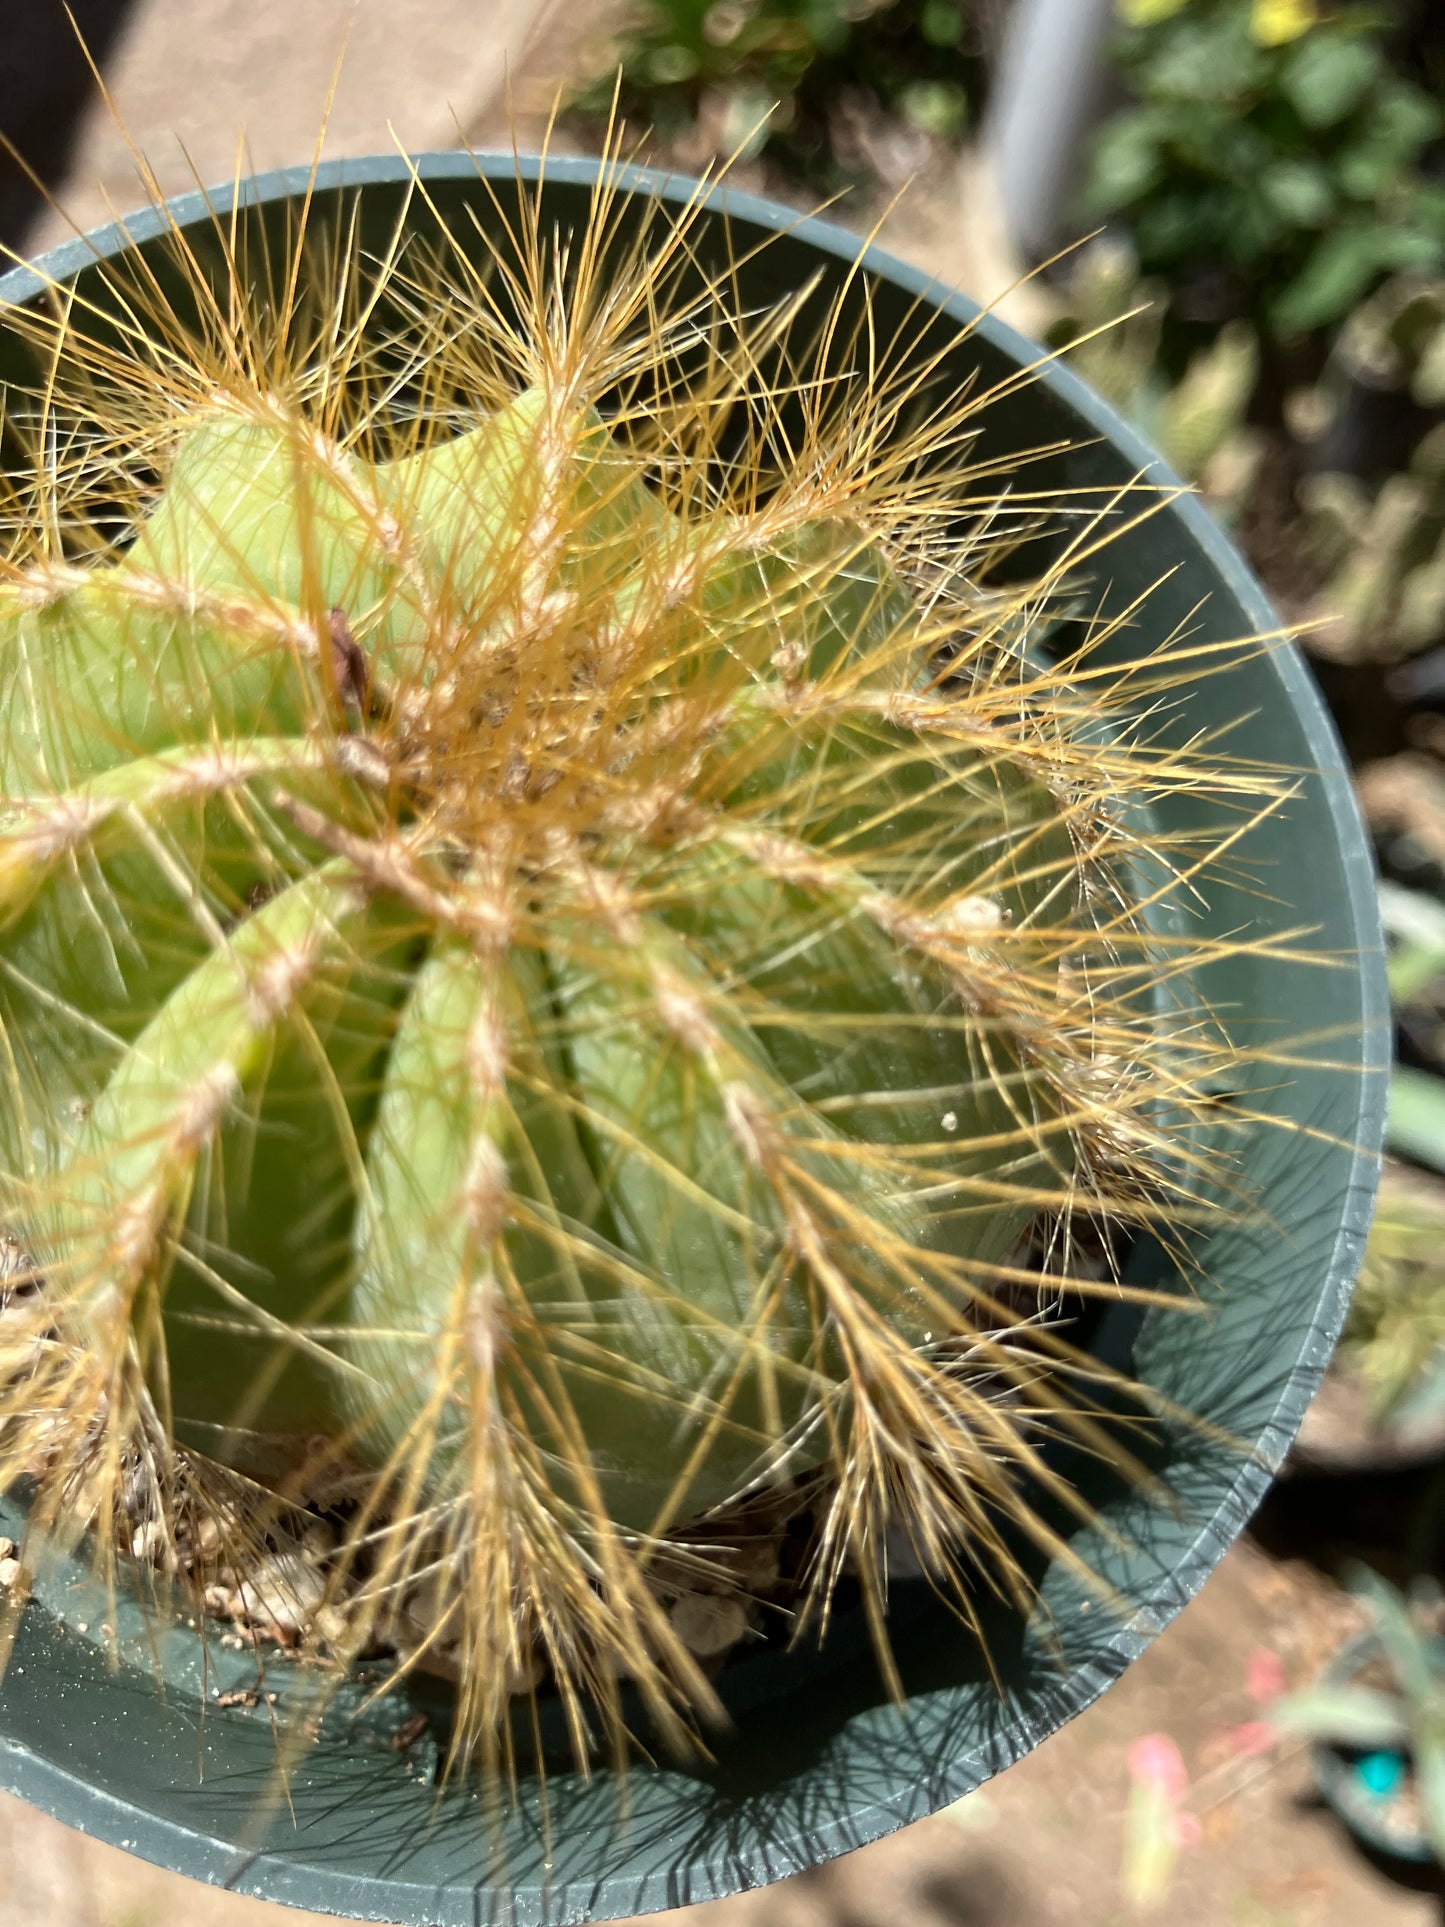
x=151, y=1543
x=331, y=1625
x=281, y=1593
x=245, y=1696
x=709, y=1623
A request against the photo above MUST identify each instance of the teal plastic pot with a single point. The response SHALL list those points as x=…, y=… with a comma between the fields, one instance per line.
x=1336, y=1772
x=818, y=1760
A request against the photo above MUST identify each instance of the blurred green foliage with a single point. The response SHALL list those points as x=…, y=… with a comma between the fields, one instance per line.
x=1268, y=174
x=771, y=77
x=1112, y=326
x=1365, y=444
x=1394, y=1342
x=1373, y=507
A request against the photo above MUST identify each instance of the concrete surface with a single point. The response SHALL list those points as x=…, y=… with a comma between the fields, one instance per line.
x=202, y=86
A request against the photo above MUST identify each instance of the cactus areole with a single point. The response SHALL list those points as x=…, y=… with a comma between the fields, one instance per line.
x=663, y=942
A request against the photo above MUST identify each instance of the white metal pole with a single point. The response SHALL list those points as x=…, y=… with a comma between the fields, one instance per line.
x=1051, y=83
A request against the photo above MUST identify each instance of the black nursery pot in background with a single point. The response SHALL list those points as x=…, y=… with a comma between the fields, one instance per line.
x=819, y=1760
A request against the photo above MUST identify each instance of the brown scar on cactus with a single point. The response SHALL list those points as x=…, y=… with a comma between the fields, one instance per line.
x=580, y=1001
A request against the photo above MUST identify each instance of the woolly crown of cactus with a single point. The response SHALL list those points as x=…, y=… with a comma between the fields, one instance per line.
x=564, y=961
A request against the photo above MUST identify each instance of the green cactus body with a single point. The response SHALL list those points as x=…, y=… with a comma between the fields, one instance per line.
x=534, y=1025
x=574, y=1001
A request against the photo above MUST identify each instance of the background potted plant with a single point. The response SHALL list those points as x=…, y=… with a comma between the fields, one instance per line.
x=1381, y=1407
x=1374, y=1719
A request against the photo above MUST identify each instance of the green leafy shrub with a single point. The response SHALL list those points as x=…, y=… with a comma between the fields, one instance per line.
x=776, y=74
x=1267, y=167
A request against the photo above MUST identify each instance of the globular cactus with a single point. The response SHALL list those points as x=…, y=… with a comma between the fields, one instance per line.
x=1200, y=427
x=1111, y=337
x=1372, y=416
x=1396, y=1327
x=1358, y=605
x=563, y=966
x=1113, y=321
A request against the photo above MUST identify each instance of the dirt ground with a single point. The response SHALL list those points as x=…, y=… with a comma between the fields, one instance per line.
x=1048, y=1844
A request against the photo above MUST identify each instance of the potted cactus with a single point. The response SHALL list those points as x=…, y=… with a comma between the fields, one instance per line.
x=1374, y=1722
x=1382, y=1406
x=688, y=1019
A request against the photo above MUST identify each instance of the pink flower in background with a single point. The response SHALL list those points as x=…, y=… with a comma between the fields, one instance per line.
x=1264, y=1678
x=1156, y=1827
x=1264, y=1681
x=1249, y=1739
x=1156, y=1762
